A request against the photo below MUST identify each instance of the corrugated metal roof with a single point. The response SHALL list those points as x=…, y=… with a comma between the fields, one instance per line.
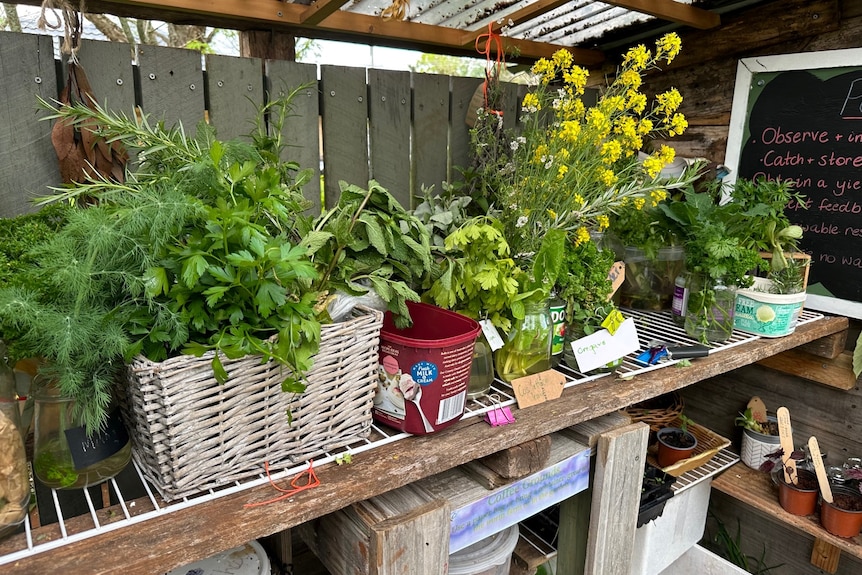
x=576, y=23
x=449, y=26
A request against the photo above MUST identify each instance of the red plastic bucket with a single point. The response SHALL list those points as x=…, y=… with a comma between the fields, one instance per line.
x=424, y=369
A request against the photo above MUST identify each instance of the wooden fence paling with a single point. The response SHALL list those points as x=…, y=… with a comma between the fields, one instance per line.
x=389, y=129
x=343, y=108
x=404, y=130
x=27, y=160
x=235, y=89
x=301, y=131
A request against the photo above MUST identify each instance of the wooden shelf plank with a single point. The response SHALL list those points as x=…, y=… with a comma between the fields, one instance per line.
x=836, y=372
x=157, y=546
x=756, y=489
x=829, y=347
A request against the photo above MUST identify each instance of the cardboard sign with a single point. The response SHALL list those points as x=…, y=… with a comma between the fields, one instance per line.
x=538, y=388
x=517, y=501
x=617, y=275
x=600, y=348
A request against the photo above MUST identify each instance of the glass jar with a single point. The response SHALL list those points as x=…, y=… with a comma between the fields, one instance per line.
x=482, y=368
x=14, y=476
x=528, y=345
x=649, y=281
x=709, y=314
x=65, y=456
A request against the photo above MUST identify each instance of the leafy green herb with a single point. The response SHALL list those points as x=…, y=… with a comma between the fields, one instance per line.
x=585, y=287
x=344, y=458
x=369, y=241
x=477, y=276
x=717, y=256
x=198, y=250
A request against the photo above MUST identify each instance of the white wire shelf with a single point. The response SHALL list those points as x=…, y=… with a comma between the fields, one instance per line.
x=117, y=507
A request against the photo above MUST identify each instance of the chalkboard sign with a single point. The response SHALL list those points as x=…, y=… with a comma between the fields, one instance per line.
x=798, y=117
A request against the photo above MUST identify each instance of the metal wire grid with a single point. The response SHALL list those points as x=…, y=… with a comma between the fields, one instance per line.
x=651, y=327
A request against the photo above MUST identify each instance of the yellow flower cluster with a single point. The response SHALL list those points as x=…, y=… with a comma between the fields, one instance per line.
x=580, y=162
x=581, y=235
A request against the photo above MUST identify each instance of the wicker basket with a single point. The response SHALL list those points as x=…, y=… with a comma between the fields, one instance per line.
x=191, y=434
x=657, y=412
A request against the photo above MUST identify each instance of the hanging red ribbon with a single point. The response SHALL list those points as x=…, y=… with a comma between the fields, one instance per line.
x=493, y=42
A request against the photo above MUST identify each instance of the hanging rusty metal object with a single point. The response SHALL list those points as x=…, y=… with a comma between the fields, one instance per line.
x=82, y=153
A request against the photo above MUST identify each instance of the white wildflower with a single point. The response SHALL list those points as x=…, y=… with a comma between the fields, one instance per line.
x=522, y=221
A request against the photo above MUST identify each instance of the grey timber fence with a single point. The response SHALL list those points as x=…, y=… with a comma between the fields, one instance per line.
x=402, y=129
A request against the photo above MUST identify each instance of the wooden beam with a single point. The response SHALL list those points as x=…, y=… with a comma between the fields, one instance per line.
x=320, y=11
x=836, y=372
x=673, y=11
x=616, y=496
x=372, y=26
x=825, y=556
x=296, y=18
x=271, y=11
x=829, y=347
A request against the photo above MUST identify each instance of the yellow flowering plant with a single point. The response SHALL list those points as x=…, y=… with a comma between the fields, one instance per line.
x=574, y=165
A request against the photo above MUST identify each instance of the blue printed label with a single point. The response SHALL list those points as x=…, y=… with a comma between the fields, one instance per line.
x=424, y=372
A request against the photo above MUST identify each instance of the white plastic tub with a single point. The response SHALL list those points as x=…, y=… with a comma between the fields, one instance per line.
x=681, y=525
x=766, y=314
x=490, y=556
x=700, y=561
x=248, y=559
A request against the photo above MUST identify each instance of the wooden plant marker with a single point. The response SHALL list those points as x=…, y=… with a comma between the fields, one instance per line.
x=817, y=459
x=824, y=555
x=758, y=409
x=785, y=436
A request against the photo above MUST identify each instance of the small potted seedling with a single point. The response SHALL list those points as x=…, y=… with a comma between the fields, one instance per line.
x=675, y=443
x=759, y=434
x=797, y=488
x=841, y=507
x=656, y=489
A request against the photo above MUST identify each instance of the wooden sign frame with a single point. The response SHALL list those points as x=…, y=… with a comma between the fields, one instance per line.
x=745, y=93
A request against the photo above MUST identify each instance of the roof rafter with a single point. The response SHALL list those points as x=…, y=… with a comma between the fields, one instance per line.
x=320, y=10
x=297, y=18
x=673, y=11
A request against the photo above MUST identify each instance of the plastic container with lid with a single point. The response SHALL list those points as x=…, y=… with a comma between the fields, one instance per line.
x=424, y=369
x=490, y=556
x=248, y=559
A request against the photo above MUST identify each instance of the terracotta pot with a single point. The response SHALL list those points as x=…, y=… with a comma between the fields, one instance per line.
x=794, y=499
x=669, y=454
x=838, y=521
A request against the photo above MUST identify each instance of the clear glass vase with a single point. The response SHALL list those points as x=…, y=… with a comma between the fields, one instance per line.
x=528, y=346
x=14, y=476
x=709, y=310
x=649, y=281
x=482, y=369
x=65, y=456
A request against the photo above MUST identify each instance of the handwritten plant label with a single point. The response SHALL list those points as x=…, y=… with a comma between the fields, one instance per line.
x=617, y=275
x=538, y=388
x=601, y=347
